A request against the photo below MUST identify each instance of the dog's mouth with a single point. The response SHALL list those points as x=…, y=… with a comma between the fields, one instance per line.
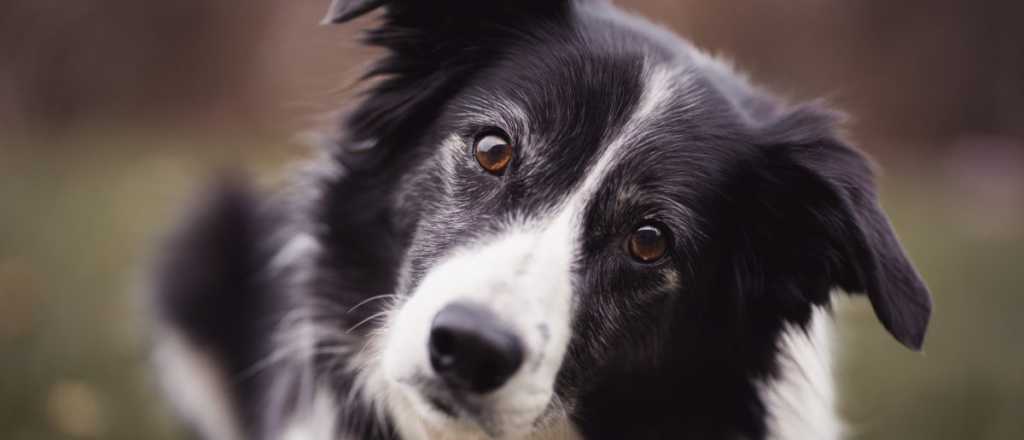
x=439, y=400
x=449, y=410
x=442, y=405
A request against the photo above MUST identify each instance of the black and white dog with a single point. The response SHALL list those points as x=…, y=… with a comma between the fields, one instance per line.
x=546, y=220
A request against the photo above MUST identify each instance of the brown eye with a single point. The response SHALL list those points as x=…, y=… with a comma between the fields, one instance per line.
x=494, y=153
x=647, y=244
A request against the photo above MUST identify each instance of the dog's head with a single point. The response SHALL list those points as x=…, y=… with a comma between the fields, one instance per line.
x=586, y=205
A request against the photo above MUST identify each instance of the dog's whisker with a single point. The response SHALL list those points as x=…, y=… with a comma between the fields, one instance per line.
x=315, y=304
x=295, y=327
x=371, y=299
x=278, y=355
x=367, y=320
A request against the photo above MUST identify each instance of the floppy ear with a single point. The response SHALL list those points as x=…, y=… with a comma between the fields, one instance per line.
x=817, y=196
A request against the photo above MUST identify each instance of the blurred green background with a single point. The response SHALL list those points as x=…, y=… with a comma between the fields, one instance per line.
x=113, y=112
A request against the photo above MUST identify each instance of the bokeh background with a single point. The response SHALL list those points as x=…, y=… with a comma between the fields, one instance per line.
x=113, y=111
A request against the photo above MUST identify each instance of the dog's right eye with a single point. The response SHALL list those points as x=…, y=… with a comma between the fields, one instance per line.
x=493, y=153
x=648, y=243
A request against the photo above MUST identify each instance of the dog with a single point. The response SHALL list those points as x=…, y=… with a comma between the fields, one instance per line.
x=544, y=220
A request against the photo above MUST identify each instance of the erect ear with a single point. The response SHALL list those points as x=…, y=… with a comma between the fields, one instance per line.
x=820, y=197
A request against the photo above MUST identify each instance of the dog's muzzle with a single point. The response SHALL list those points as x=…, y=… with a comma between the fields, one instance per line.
x=476, y=349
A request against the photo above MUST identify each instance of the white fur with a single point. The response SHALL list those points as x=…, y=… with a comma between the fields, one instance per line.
x=801, y=402
x=196, y=387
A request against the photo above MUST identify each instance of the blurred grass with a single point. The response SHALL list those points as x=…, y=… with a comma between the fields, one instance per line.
x=80, y=220
x=969, y=381
x=80, y=217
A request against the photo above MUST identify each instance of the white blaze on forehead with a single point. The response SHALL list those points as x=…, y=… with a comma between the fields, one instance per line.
x=659, y=85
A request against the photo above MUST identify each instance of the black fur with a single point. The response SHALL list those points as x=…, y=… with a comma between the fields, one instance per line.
x=213, y=288
x=768, y=211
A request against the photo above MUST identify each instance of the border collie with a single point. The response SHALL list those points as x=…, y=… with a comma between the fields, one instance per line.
x=545, y=220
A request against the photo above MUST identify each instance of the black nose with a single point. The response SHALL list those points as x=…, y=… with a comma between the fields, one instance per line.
x=471, y=350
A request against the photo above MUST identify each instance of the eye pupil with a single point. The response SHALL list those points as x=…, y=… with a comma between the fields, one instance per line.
x=494, y=153
x=647, y=244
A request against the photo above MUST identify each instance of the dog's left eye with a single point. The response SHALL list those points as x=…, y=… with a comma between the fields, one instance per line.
x=493, y=152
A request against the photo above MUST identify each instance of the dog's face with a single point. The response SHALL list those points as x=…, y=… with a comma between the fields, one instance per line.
x=547, y=201
x=596, y=200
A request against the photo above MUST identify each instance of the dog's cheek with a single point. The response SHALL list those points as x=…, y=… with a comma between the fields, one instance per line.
x=622, y=328
x=408, y=330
